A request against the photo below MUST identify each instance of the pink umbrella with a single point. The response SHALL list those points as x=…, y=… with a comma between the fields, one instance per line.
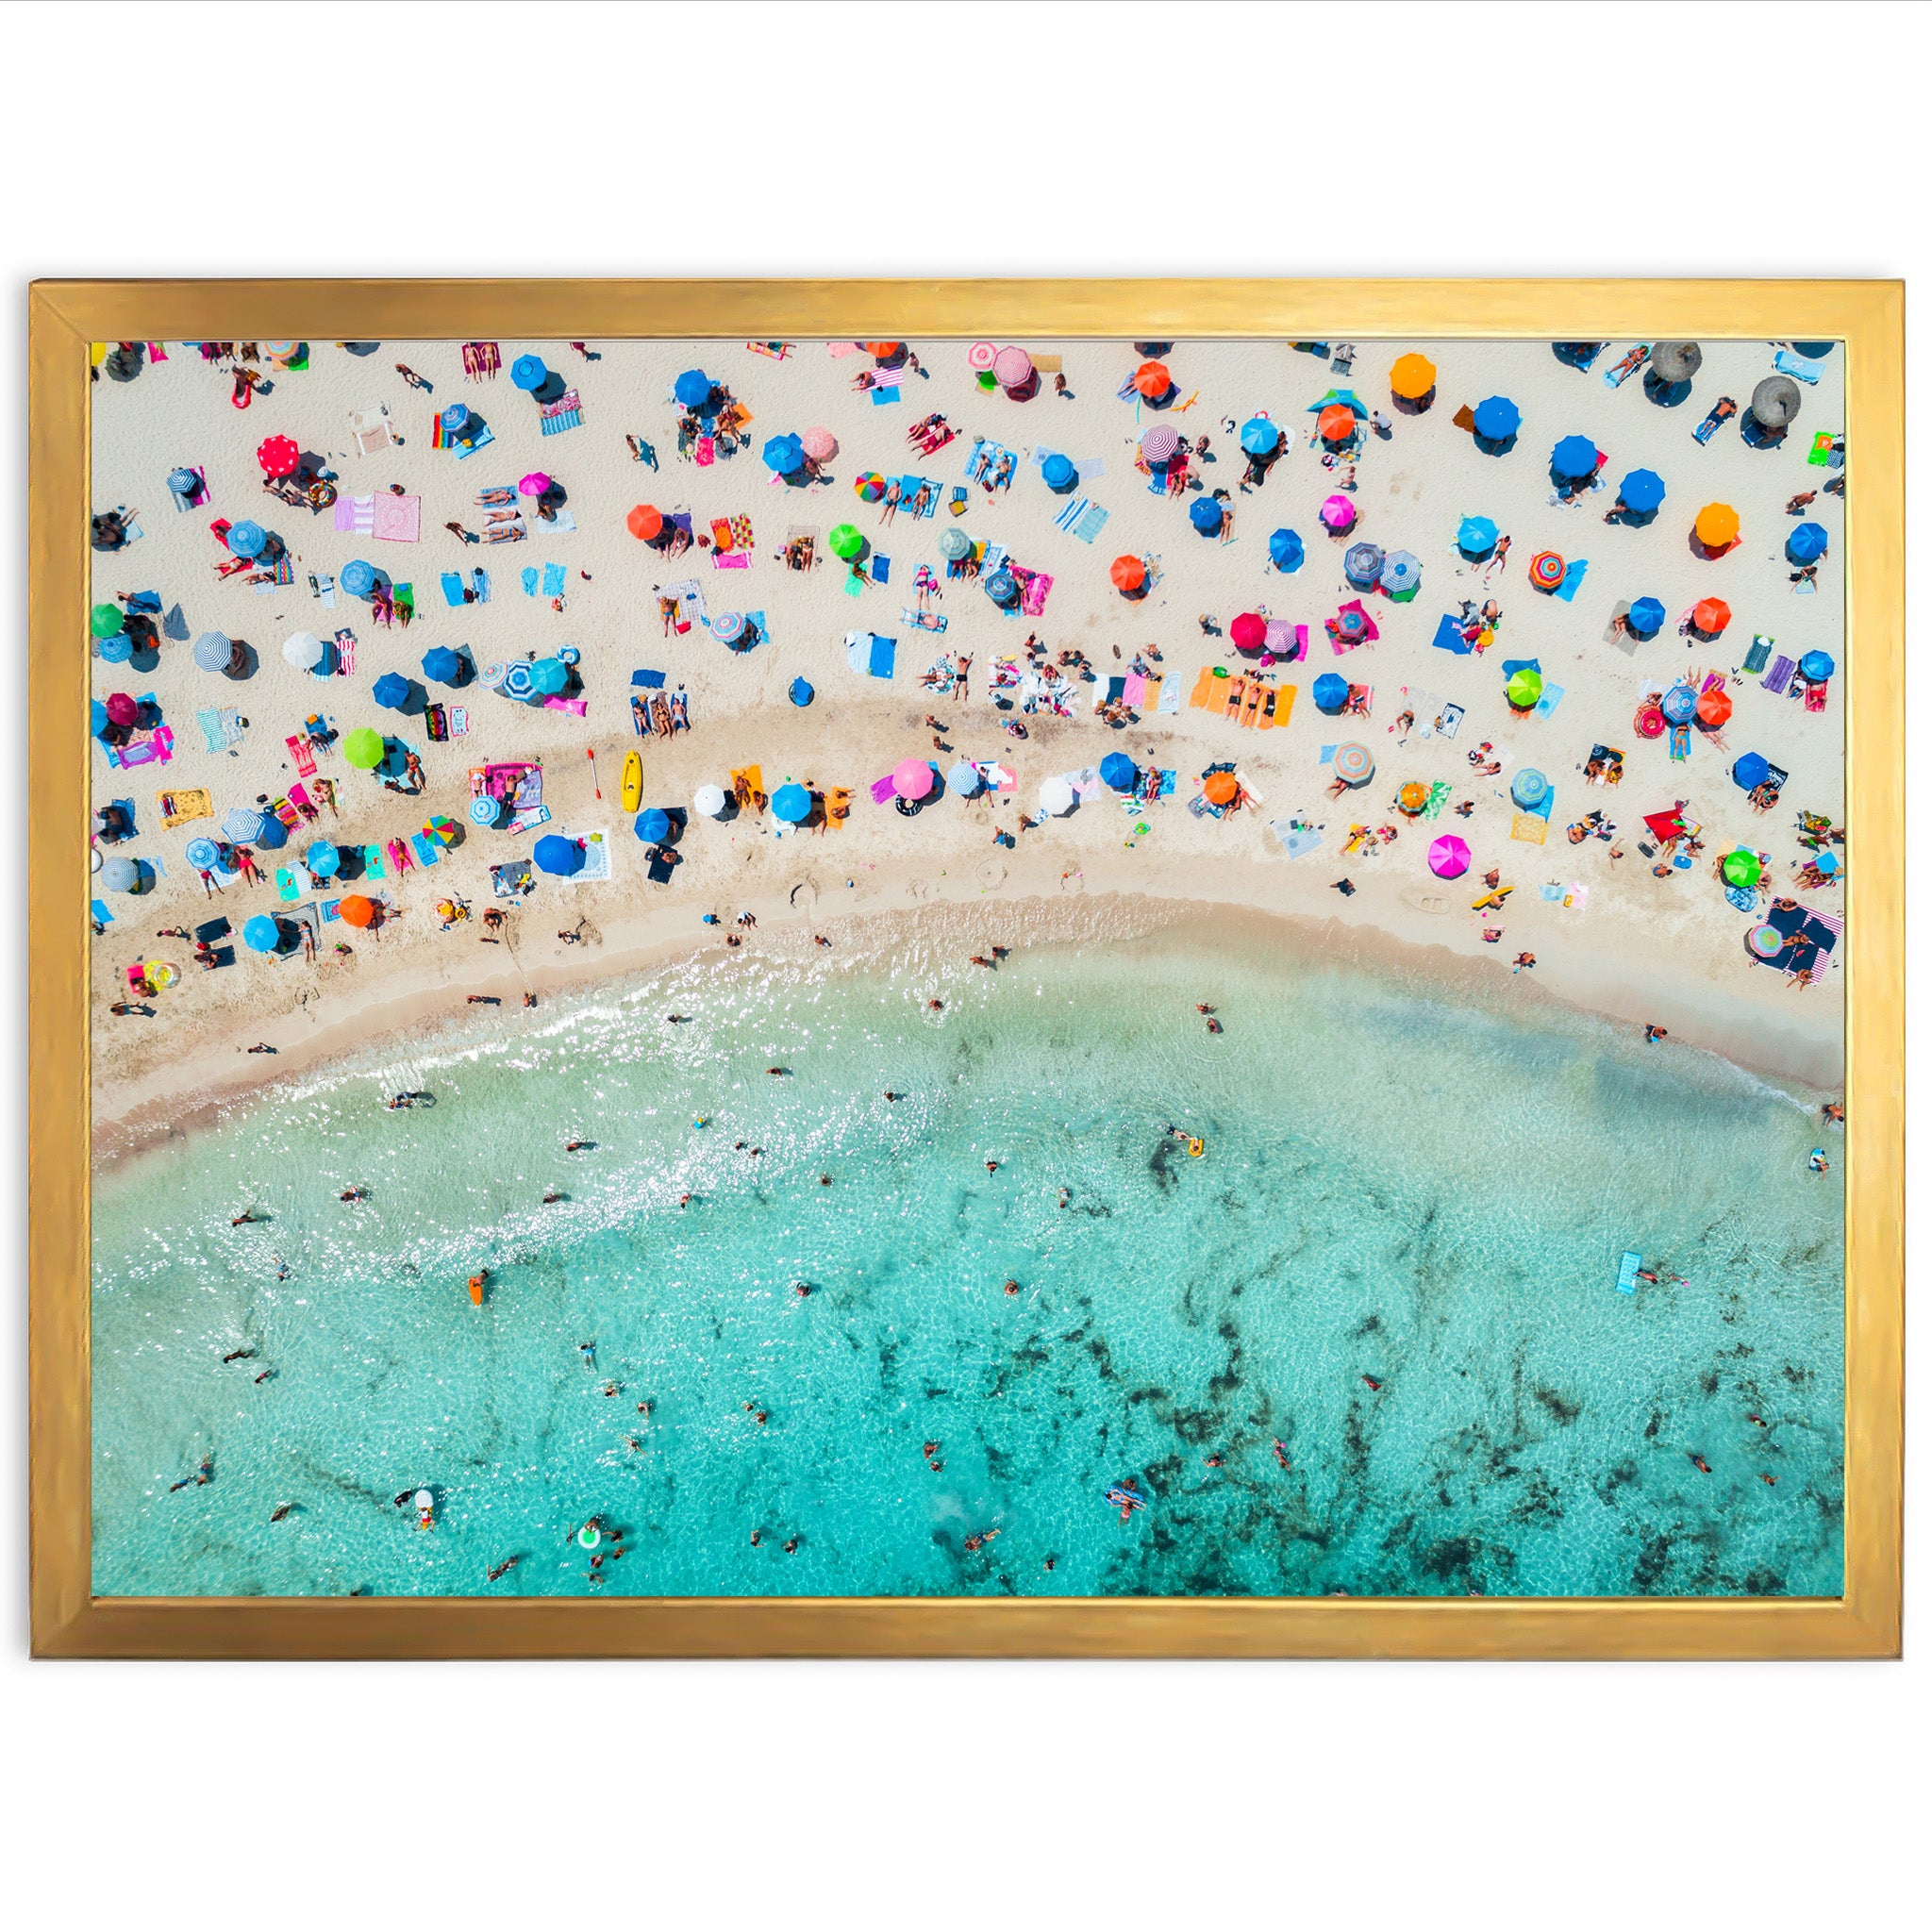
x=1449, y=856
x=1012, y=368
x=912, y=777
x=1337, y=512
x=821, y=445
x=981, y=356
x=1159, y=443
x=535, y=484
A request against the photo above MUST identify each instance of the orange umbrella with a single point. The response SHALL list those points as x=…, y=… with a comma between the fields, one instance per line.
x=644, y=523
x=1412, y=797
x=356, y=910
x=1413, y=376
x=1710, y=616
x=1152, y=380
x=1220, y=787
x=883, y=350
x=1713, y=709
x=1335, y=422
x=1717, y=526
x=1128, y=572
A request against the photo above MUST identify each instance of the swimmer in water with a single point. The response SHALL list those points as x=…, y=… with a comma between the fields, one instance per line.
x=992, y=1167
x=1012, y=1287
x=575, y=1147
x=801, y=1287
x=1701, y=1463
x=1066, y=1195
x=1280, y=1454
x=238, y=1355
x=890, y=1095
x=508, y=1564
x=352, y=1194
x=551, y=1196
x=1371, y=1382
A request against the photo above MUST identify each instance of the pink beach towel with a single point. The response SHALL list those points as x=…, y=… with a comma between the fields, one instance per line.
x=882, y=789
x=1135, y=690
x=1034, y=601
x=355, y=515
x=398, y=519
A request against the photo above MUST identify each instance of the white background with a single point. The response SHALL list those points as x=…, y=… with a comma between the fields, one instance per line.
x=1035, y=139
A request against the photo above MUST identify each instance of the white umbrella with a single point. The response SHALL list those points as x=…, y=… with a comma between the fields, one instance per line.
x=1055, y=797
x=303, y=650
x=709, y=800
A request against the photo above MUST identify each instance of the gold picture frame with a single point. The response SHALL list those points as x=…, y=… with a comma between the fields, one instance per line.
x=66, y=317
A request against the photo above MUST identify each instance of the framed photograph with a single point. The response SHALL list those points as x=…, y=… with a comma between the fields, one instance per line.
x=981, y=968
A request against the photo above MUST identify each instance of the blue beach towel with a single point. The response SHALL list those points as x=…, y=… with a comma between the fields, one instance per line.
x=1552, y=697
x=530, y=580
x=1788, y=362
x=651, y=680
x=885, y=394
x=1449, y=637
x=102, y=915
x=452, y=588
x=553, y=576
x=1512, y=665
x=881, y=569
x=1571, y=577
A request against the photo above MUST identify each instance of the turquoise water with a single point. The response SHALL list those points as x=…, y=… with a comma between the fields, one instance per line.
x=1394, y=1186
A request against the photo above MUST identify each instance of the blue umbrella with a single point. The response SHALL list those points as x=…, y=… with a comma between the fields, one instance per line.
x=214, y=652
x=1475, y=536
x=1059, y=473
x=963, y=779
x=1330, y=692
x=1285, y=551
x=262, y=934
x=1205, y=514
x=1641, y=490
x=1679, y=704
x=455, y=416
x=548, y=676
x=1401, y=572
x=484, y=811
x=1816, y=666
x=444, y=665
x=691, y=387
x=117, y=649
x=392, y=690
x=323, y=860
x=97, y=718
x=1117, y=770
x=1807, y=543
x=1345, y=396
x=1576, y=455
x=652, y=826
x=791, y=803
x=120, y=874
x=1750, y=772
x=242, y=825
x=1259, y=437
x=1646, y=617
x=517, y=682
x=1530, y=787
x=1001, y=587
x=1497, y=419
x=273, y=835
x=359, y=578
x=557, y=855
x=527, y=372
x=248, y=538
x=783, y=455
x=204, y=854
x=801, y=693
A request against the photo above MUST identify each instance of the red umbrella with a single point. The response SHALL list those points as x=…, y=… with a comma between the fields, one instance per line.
x=1128, y=572
x=121, y=709
x=1335, y=422
x=1713, y=709
x=1152, y=380
x=645, y=523
x=279, y=455
x=1249, y=631
x=1710, y=615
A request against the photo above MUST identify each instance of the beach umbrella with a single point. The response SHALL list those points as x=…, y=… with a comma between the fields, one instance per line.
x=442, y=827
x=1766, y=941
x=1351, y=623
x=97, y=717
x=1249, y=631
x=884, y=352
x=1815, y=667
x=107, y=620
x=535, y=484
x=1741, y=869
x=963, y=779
x=1012, y=368
x=728, y=627
x=1412, y=797
x=1337, y=512
x=248, y=538
x=1117, y=771
x=484, y=811
x=1449, y=856
x=800, y=692
x=213, y=651
x=1774, y=402
x=783, y=455
x=911, y=778
x=1675, y=363
x=1055, y=797
x=1475, y=536
x=1153, y=381
x=708, y=800
x=121, y=709
x=691, y=388
x=444, y=665
x=1497, y=419
x=1058, y=473
x=492, y=676
x=516, y=682
x=1362, y=563
x=323, y=860
x=184, y=483
x=1807, y=543
x=1646, y=616
x=954, y=543
x=1750, y=772
x=454, y=416
x=1345, y=397
x=1641, y=492
x=846, y=541
x=204, y=854
x=303, y=649
x=1206, y=516
x=1530, y=787
x=392, y=690
x=242, y=825
x=1330, y=692
x=791, y=803
x=120, y=875
x=357, y=578
x=527, y=372
x=1716, y=526
x=558, y=854
x=821, y=445
x=262, y=934
x=1334, y=423
x=1714, y=709
x=1546, y=570
x=1576, y=455
x=1159, y=443
x=1355, y=762
x=364, y=748
x=1259, y=437
x=1412, y=378
x=644, y=521
x=1523, y=688
x=981, y=356
x=549, y=676
x=358, y=910
x=1220, y=787
x=1285, y=551
x=117, y=649
x=1679, y=703
x=653, y=825
x=1002, y=586
x=1128, y=572
x=271, y=834
x=1402, y=574
x=1709, y=615
x=279, y=455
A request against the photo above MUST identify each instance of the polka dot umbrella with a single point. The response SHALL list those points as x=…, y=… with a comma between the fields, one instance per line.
x=279, y=455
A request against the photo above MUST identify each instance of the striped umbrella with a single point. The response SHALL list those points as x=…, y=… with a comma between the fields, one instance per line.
x=1354, y=762
x=204, y=854
x=519, y=680
x=214, y=652
x=1362, y=563
x=1159, y=444
x=1400, y=573
x=1546, y=570
x=981, y=356
x=491, y=677
x=728, y=627
x=1679, y=704
x=1530, y=787
x=954, y=543
x=248, y=538
x=484, y=809
x=1766, y=941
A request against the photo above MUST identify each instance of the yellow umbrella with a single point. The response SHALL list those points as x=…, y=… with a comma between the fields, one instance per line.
x=1412, y=378
x=1412, y=797
x=1717, y=526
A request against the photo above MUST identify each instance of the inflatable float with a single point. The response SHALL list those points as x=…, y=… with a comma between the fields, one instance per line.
x=633, y=785
x=426, y=1509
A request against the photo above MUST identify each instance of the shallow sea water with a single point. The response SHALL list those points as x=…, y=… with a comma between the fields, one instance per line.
x=1394, y=1186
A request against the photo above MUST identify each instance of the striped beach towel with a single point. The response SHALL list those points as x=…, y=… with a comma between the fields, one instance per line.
x=355, y=515
x=566, y=412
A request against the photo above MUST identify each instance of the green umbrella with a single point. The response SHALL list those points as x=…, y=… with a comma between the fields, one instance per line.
x=846, y=541
x=363, y=748
x=106, y=620
x=1741, y=868
x=1524, y=687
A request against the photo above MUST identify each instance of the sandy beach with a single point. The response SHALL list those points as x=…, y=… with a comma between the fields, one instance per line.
x=1629, y=945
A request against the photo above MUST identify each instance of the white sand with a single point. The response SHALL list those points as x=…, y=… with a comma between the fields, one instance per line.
x=1669, y=950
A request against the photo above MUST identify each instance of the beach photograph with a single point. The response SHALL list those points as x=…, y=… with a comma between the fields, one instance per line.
x=1062, y=968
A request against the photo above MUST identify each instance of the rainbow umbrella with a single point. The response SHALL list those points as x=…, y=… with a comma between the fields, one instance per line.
x=1449, y=856
x=1546, y=570
x=871, y=487
x=1354, y=762
x=279, y=455
x=912, y=778
x=1766, y=941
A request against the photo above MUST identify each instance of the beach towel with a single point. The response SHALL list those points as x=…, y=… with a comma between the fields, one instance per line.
x=566, y=412
x=299, y=751
x=1572, y=576
x=881, y=789
x=397, y=519
x=1815, y=695
x=1779, y=676
x=453, y=589
x=869, y=654
x=553, y=576
x=179, y=807
x=219, y=728
x=529, y=579
x=1552, y=697
x=1296, y=841
x=355, y=515
x=1202, y=694
x=1788, y=362
x=1170, y=704
x=886, y=394
x=371, y=862
x=651, y=680
x=1530, y=828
